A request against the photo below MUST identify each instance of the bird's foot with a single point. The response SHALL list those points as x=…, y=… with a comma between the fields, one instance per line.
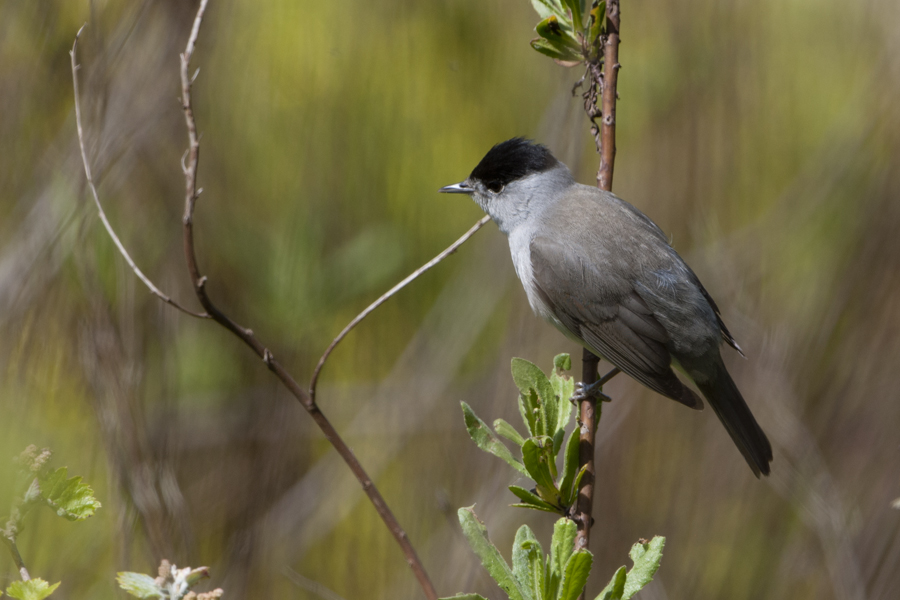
x=591, y=390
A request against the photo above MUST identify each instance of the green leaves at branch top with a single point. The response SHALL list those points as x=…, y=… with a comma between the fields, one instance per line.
x=646, y=557
x=569, y=30
x=487, y=441
x=69, y=497
x=496, y=566
x=33, y=589
x=139, y=585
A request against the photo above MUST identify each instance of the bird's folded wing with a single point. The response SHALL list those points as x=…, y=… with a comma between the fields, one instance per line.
x=605, y=311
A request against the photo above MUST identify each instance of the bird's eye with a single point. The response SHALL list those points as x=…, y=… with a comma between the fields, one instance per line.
x=494, y=186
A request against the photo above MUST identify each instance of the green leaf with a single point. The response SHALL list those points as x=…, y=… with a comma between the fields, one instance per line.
x=138, y=584
x=646, y=557
x=535, y=507
x=615, y=588
x=487, y=441
x=559, y=33
x=528, y=407
x=508, y=431
x=577, y=8
x=598, y=21
x=557, y=444
x=577, y=483
x=464, y=597
x=563, y=388
x=528, y=377
x=575, y=576
x=562, y=545
x=535, y=460
x=476, y=533
x=570, y=468
x=70, y=498
x=562, y=362
x=33, y=589
x=532, y=500
x=528, y=563
x=545, y=8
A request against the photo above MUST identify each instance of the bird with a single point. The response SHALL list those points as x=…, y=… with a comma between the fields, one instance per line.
x=606, y=276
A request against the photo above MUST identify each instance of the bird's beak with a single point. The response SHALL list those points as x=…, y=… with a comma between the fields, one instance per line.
x=457, y=188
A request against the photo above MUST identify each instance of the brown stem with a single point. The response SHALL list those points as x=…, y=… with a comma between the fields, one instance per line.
x=610, y=79
x=246, y=335
x=588, y=421
x=588, y=409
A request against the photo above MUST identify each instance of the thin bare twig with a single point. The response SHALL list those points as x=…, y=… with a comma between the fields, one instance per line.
x=412, y=276
x=606, y=82
x=90, y=180
x=246, y=335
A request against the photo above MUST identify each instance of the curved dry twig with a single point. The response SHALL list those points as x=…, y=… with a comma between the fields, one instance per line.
x=90, y=180
x=246, y=335
x=412, y=276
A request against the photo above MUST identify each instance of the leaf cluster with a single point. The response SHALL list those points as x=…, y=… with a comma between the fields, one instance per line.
x=172, y=583
x=560, y=575
x=68, y=497
x=546, y=411
x=570, y=31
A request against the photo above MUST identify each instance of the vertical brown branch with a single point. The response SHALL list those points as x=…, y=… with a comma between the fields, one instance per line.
x=587, y=418
x=588, y=409
x=610, y=79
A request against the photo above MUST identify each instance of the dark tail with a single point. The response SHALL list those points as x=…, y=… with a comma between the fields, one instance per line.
x=728, y=404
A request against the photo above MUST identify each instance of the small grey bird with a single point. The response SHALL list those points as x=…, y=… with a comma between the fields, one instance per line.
x=604, y=274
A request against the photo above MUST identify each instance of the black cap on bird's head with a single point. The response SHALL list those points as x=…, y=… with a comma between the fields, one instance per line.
x=507, y=162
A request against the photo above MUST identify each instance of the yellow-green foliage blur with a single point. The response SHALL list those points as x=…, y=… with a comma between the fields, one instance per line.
x=764, y=137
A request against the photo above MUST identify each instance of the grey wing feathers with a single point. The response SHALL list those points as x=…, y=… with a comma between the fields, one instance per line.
x=617, y=324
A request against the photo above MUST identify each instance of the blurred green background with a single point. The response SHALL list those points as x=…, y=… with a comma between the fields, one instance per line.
x=763, y=136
